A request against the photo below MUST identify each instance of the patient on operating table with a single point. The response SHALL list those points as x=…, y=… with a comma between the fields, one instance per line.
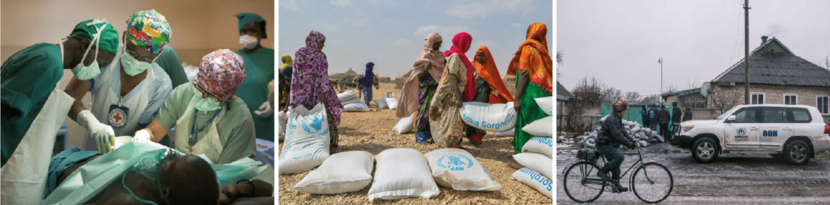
x=166, y=177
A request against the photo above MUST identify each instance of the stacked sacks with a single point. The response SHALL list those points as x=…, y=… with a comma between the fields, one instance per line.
x=536, y=158
x=351, y=103
x=542, y=127
x=391, y=102
x=642, y=135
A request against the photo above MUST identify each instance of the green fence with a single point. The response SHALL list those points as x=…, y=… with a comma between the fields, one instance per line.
x=633, y=113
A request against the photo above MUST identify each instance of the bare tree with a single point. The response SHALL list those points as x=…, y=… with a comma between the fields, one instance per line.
x=671, y=87
x=654, y=98
x=632, y=96
x=692, y=84
x=609, y=95
x=827, y=62
x=586, y=95
x=725, y=99
x=559, y=55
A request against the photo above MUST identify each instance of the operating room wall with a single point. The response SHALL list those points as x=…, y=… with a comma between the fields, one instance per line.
x=198, y=26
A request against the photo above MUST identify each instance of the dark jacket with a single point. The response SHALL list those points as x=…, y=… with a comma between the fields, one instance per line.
x=687, y=116
x=644, y=114
x=663, y=116
x=676, y=113
x=652, y=114
x=612, y=132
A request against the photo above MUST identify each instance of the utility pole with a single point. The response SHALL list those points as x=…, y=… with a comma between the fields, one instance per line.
x=746, y=52
x=661, y=79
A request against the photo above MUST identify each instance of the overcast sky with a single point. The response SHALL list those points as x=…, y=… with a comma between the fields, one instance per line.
x=619, y=42
x=391, y=33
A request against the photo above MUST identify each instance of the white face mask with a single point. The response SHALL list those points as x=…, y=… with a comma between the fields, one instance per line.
x=249, y=42
x=86, y=72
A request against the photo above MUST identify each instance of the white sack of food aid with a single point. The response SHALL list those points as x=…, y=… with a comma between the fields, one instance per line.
x=546, y=104
x=405, y=125
x=506, y=133
x=541, y=145
x=355, y=100
x=346, y=96
x=536, y=162
x=490, y=117
x=342, y=172
x=306, y=143
x=381, y=103
x=402, y=173
x=534, y=180
x=282, y=119
x=356, y=107
x=391, y=102
x=459, y=170
x=541, y=127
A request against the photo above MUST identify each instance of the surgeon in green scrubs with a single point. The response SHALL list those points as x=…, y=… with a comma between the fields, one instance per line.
x=30, y=75
x=259, y=67
x=170, y=63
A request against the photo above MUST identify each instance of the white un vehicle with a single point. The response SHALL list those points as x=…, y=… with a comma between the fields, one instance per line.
x=791, y=132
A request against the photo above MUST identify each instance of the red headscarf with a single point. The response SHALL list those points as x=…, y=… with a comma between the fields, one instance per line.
x=490, y=73
x=534, y=58
x=460, y=45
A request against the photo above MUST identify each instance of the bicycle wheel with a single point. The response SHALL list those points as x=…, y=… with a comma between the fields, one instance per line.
x=652, y=182
x=582, y=183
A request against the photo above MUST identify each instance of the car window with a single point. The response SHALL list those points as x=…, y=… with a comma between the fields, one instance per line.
x=725, y=114
x=775, y=115
x=800, y=115
x=745, y=116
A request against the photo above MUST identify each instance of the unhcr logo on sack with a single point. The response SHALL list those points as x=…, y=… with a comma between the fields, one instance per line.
x=543, y=140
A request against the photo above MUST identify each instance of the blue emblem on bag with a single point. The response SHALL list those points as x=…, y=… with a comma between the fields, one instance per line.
x=455, y=162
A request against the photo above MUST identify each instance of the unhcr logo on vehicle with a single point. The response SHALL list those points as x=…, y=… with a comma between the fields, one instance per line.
x=741, y=136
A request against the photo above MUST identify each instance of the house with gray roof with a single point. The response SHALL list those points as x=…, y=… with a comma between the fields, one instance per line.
x=776, y=76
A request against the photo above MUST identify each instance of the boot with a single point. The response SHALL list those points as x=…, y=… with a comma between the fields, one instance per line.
x=617, y=188
x=603, y=173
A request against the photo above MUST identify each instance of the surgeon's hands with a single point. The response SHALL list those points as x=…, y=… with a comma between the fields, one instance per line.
x=143, y=135
x=103, y=134
x=265, y=110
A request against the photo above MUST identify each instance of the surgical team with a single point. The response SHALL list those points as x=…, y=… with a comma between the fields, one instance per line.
x=139, y=90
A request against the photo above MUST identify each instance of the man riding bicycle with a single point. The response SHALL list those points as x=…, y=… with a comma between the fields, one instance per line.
x=612, y=135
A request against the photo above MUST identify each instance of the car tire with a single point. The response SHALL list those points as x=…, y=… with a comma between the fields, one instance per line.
x=705, y=150
x=797, y=152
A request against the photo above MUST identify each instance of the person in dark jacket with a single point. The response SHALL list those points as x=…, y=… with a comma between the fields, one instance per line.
x=612, y=135
x=663, y=118
x=687, y=115
x=652, y=117
x=644, y=116
x=676, y=113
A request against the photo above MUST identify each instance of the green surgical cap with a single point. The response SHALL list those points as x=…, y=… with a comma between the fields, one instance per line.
x=86, y=29
x=246, y=18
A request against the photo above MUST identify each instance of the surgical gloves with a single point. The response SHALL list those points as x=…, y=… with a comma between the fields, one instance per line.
x=103, y=134
x=265, y=110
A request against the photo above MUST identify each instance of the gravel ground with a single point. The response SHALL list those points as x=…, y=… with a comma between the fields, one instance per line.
x=372, y=132
x=730, y=179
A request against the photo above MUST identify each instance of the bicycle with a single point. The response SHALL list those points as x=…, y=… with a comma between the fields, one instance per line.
x=651, y=182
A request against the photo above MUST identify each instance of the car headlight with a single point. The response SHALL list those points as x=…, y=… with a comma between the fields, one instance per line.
x=687, y=128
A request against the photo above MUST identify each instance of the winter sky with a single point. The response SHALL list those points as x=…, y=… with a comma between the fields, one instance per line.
x=619, y=42
x=391, y=33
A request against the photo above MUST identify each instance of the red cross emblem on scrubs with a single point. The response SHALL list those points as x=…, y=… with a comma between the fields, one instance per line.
x=117, y=117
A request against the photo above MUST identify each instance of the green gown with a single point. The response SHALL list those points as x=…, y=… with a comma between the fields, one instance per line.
x=28, y=77
x=530, y=112
x=259, y=69
x=170, y=63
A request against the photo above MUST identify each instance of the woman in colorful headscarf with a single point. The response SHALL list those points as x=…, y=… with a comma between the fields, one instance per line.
x=259, y=67
x=533, y=68
x=208, y=117
x=420, y=87
x=489, y=86
x=127, y=94
x=284, y=79
x=310, y=83
x=453, y=88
